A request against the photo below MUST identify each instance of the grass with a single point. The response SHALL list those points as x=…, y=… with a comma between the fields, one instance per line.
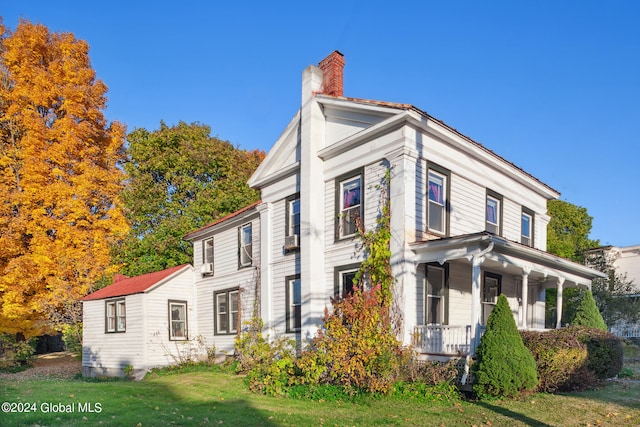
x=208, y=396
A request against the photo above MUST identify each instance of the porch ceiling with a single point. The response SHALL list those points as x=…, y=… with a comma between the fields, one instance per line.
x=510, y=257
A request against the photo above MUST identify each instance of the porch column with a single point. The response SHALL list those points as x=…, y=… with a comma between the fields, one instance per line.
x=559, y=303
x=476, y=306
x=525, y=296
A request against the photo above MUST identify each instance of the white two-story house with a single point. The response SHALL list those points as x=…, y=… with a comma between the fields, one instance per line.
x=467, y=225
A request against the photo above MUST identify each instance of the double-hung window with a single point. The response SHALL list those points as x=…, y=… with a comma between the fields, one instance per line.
x=294, y=303
x=207, y=256
x=177, y=320
x=491, y=289
x=434, y=306
x=349, y=205
x=115, y=316
x=226, y=307
x=293, y=217
x=493, y=215
x=344, y=277
x=245, y=257
x=437, y=183
x=527, y=227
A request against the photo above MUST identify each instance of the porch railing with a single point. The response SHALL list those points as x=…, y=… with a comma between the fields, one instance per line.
x=443, y=339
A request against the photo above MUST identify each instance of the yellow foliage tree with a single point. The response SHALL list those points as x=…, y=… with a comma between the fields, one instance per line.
x=59, y=179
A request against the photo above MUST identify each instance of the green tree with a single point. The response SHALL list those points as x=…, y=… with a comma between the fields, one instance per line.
x=567, y=237
x=615, y=296
x=568, y=230
x=505, y=367
x=180, y=178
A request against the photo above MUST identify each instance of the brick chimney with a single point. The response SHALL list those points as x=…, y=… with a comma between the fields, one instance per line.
x=119, y=277
x=332, y=74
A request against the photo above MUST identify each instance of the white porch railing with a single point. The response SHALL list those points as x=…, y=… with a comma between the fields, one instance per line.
x=443, y=339
x=626, y=332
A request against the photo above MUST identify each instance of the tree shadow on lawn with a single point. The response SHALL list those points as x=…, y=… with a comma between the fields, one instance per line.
x=512, y=415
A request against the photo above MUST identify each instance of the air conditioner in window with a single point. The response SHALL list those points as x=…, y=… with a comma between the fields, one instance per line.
x=291, y=242
x=206, y=269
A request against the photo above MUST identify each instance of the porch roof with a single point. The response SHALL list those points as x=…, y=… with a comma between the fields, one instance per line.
x=509, y=255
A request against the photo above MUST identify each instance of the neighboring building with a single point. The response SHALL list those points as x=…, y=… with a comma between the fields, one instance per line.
x=626, y=262
x=139, y=323
x=467, y=225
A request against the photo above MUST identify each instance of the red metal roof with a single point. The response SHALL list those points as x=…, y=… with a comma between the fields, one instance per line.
x=133, y=285
x=231, y=215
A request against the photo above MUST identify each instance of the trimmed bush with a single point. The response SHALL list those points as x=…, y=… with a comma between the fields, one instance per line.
x=561, y=359
x=504, y=368
x=587, y=313
x=574, y=358
x=605, y=351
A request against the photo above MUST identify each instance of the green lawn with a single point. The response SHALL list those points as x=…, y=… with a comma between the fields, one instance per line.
x=208, y=396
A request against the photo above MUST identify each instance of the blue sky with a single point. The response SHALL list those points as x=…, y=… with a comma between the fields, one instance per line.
x=552, y=86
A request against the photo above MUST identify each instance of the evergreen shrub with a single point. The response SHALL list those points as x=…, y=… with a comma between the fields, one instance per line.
x=504, y=367
x=587, y=313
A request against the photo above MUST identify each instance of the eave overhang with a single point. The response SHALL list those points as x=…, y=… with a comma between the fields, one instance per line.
x=506, y=253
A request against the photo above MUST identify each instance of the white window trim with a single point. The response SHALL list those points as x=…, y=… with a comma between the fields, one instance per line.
x=441, y=296
x=344, y=212
x=433, y=204
x=245, y=254
x=291, y=305
x=173, y=337
x=498, y=207
x=119, y=316
x=230, y=315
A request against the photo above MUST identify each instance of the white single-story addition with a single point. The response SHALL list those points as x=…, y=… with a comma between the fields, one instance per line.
x=139, y=323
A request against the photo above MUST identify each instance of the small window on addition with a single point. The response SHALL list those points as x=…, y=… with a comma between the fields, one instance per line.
x=178, y=320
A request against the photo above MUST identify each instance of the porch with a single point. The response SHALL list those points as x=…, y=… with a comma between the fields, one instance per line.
x=458, y=281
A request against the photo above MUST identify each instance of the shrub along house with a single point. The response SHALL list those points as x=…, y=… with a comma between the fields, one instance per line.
x=138, y=323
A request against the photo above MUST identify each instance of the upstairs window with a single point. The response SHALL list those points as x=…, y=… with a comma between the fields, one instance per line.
x=349, y=205
x=245, y=258
x=437, y=201
x=207, y=257
x=115, y=316
x=344, y=277
x=493, y=215
x=293, y=217
x=177, y=320
x=294, y=304
x=527, y=227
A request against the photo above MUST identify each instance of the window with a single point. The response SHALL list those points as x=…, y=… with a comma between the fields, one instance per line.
x=226, y=307
x=207, y=257
x=293, y=216
x=527, y=227
x=490, y=292
x=493, y=215
x=207, y=251
x=294, y=303
x=177, y=320
x=245, y=257
x=434, y=305
x=349, y=205
x=116, y=318
x=437, y=200
x=344, y=277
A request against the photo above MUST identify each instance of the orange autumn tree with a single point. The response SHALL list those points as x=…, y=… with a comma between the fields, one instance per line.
x=59, y=179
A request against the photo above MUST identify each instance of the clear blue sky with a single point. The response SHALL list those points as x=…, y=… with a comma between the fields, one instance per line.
x=552, y=86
